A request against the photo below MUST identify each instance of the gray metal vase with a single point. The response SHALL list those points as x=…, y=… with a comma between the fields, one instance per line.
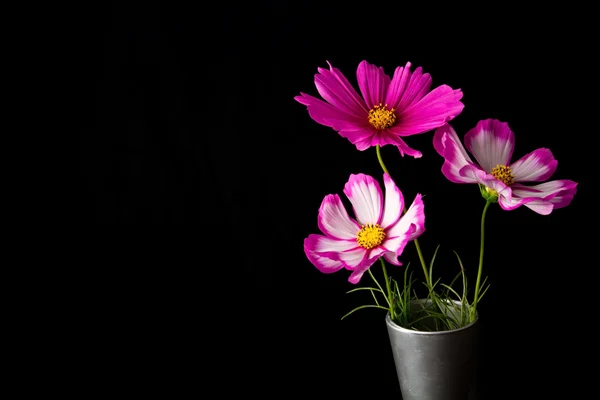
x=435, y=365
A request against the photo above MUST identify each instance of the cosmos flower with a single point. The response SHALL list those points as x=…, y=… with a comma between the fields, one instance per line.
x=379, y=230
x=491, y=143
x=387, y=109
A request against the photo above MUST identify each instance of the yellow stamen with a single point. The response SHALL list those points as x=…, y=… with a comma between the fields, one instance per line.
x=503, y=173
x=371, y=235
x=382, y=118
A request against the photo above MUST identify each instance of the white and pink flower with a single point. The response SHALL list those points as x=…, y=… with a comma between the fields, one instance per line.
x=491, y=143
x=379, y=230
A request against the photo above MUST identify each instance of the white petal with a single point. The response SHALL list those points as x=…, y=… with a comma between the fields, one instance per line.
x=394, y=202
x=365, y=195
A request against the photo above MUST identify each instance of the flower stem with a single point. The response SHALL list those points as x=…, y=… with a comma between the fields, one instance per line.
x=419, y=252
x=481, y=245
x=378, y=149
x=389, y=290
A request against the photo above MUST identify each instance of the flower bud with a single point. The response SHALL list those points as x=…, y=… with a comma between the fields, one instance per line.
x=488, y=194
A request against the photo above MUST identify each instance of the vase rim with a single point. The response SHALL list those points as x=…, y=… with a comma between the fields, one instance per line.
x=399, y=328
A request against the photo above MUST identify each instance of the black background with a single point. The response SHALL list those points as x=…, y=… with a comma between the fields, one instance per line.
x=201, y=176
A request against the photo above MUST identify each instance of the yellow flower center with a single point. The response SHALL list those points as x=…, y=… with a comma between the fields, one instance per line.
x=370, y=235
x=382, y=118
x=503, y=173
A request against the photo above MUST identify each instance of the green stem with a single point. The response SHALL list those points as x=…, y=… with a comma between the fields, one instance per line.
x=378, y=149
x=419, y=252
x=423, y=264
x=389, y=290
x=481, y=245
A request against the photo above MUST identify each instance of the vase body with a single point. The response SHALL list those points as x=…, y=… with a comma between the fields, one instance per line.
x=435, y=365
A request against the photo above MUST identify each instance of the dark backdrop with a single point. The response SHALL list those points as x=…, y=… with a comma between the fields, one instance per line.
x=201, y=176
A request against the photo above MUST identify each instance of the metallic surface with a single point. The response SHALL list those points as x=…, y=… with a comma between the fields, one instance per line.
x=435, y=365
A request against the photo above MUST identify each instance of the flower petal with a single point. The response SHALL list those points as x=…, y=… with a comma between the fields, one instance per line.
x=392, y=258
x=394, y=203
x=491, y=142
x=399, y=243
x=328, y=115
x=448, y=145
x=564, y=197
x=548, y=196
x=509, y=204
x=398, y=85
x=352, y=128
x=488, y=180
x=439, y=106
x=417, y=86
x=323, y=264
x=367, y=262
x=334, y=221
x=536, y=166
x=357, y=274
x=333, y=86
x=383, y=138
x=362, y=138
x=373, y=83
x=366, y=197
x=329, y=247
x=546, y=190
x=354, y=258
x=410, y=226
x=542, y=207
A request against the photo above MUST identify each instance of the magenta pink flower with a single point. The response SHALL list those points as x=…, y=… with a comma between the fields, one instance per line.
x=388, y=110
x=379, y=229
x=492, y=142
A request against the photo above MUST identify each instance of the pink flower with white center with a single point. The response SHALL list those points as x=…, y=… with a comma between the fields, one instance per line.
x=388, y=110
x=491, y=143
x=379, y=229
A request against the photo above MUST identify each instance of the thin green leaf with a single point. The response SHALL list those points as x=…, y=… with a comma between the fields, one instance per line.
x=365, y=306
x=364, y=288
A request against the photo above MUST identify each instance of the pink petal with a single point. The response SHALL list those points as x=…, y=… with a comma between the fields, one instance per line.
x=350, y=127
x=365, y=143
x=366, y=197
x=564, y=197
x=398, y=85
x=418, y=85
x=541, y=207
x=323, y=264
x=548, y=196
x=330, y=247
x=448, y=145
x=394, y=202
x=411, y=225
x=362, y=138
x=357, y=274
x=478, y=175
x=333, y=86
x=491, y=142
x=328, y=115
x=366, y=263
x=392, y=258
x=358, y=135
x=512, y=203
x=546, y=190
x=334, y=221
x=439, y=106
x=373, y=83
x=536, y=166
x=354, y=258
x=397, y=243
x=383, y=138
